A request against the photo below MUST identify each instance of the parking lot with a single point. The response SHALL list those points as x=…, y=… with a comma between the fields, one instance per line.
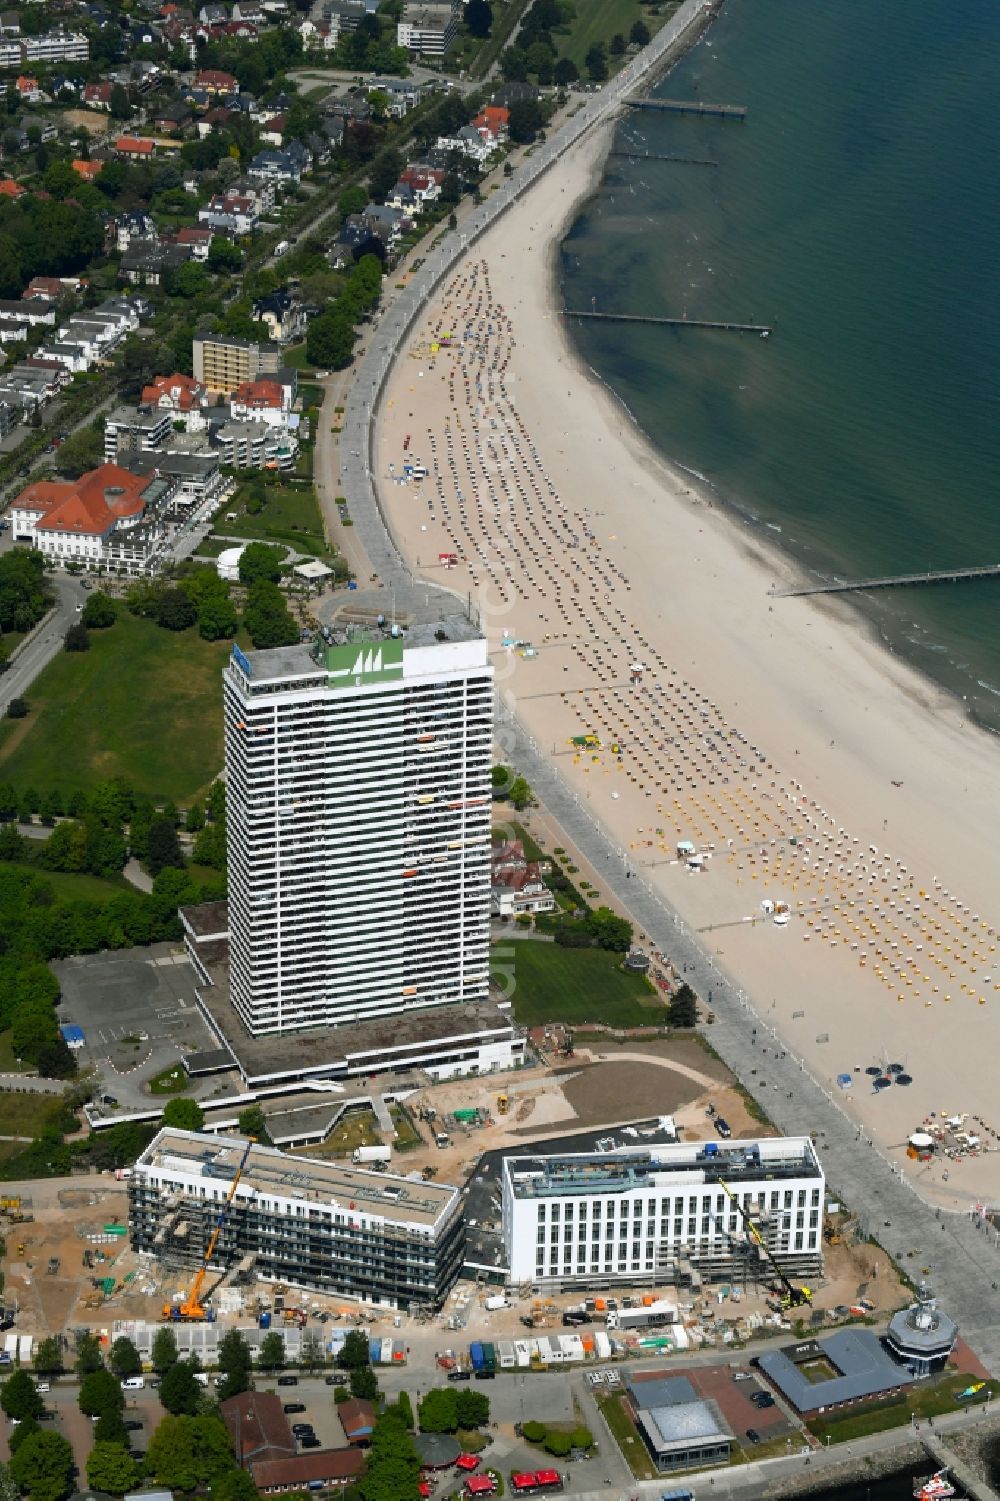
x=138, y=1011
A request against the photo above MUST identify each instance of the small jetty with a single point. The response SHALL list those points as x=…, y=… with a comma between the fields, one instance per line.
x=764, y=330
x=894, y=581
x=664, y=156
x=691, y=107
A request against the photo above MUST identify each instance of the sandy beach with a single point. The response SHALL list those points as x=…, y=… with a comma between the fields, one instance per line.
x=806, y=768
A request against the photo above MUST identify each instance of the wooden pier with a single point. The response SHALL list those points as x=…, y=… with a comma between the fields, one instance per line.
x=691, y=107
x=763, y=329
x=664, y=156
x=894, y=581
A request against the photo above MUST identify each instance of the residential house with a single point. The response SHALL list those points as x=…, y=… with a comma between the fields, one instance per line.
x=414, y=191
x=215, y=82
x=142, y=263
x=111, y=517
x=516, y=885
x=28, y=89
x=404, y=94
x=277, y=167
x=469, y=143
x=223, y=364
x=87, y=171
x=197, y=238
x=213, y=14
x=273, y=130
x=134, y=148
x=132, y=226
x=249, y=10
x=37, y=311
x=493, y=122
x=183, y=397
x=229, y=217
x=266, y=400
x=11, y=189
x=48, y=287
x=176, y=116
x=283, y=314
x=356, y=238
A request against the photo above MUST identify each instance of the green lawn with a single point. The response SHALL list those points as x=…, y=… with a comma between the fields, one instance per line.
x=627, y=1437
x=25, y=1114
x=923, y=1402
x=295, y=357
x=597, y=21
x=290, y=515
x=8, y=1063
x=71, y=887
x=142, y=703
x=553, y=984
x=169, y=1081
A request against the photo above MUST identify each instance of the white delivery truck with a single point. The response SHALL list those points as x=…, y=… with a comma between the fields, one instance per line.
x=371, y=1154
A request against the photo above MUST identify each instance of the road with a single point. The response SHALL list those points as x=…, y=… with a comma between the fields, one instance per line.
x=38, y=651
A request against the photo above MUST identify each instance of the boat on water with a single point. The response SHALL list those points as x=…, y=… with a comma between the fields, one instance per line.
x=936, y=1487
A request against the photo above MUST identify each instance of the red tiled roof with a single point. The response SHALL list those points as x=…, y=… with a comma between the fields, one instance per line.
x=87, y=170
x=185, y=393
x=134, y=144
x=320, y=1465
x=259, y=393
x=90, y=504
x=193, y=234
x=257, y=1425
x=357, y=1417
x=214, y=78
x=11, y=189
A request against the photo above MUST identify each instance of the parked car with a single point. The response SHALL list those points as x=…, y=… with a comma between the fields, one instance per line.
x=723, y=1127
x=294, y=1407
x=762, y=1399
x=753, y=1436
x=300, y=1428
x=459, y=1375
x=310, y=1441
x=288, y=1380
x=133, y=1425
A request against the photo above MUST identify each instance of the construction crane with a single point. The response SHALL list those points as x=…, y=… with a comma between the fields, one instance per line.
x=794, y=1296
x=191, y=1309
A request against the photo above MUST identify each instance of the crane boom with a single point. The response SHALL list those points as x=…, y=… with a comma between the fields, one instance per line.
x=191, y=1307
x=796, y=1295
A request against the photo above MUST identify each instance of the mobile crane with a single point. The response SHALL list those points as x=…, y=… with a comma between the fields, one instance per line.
x=794, y=1296
x=191, y=1310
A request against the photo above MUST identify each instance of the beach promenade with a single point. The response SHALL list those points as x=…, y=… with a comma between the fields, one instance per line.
x=650, y=627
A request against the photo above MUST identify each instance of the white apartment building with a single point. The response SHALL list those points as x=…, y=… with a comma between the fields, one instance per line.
x=51, y=47
x=662, y=1212
x=358, y=778
x=429, y=28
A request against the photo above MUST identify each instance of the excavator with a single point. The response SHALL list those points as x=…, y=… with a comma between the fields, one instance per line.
x=794, y=1296
x=191, y=1310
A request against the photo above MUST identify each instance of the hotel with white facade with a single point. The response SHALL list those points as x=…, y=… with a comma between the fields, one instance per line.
x=661, y=1212
x=358, y=789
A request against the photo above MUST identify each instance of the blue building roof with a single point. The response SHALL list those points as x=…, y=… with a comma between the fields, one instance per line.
x=72, y=1033
x=865, y=1369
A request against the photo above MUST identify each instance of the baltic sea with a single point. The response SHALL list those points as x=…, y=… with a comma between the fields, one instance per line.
x=857, y=210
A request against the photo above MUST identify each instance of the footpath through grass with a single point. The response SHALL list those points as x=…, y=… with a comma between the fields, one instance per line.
x=290, y=515
x=555, y=984
x=143, y=703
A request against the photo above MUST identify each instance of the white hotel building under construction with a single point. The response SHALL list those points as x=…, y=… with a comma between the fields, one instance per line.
x=661, y=1212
